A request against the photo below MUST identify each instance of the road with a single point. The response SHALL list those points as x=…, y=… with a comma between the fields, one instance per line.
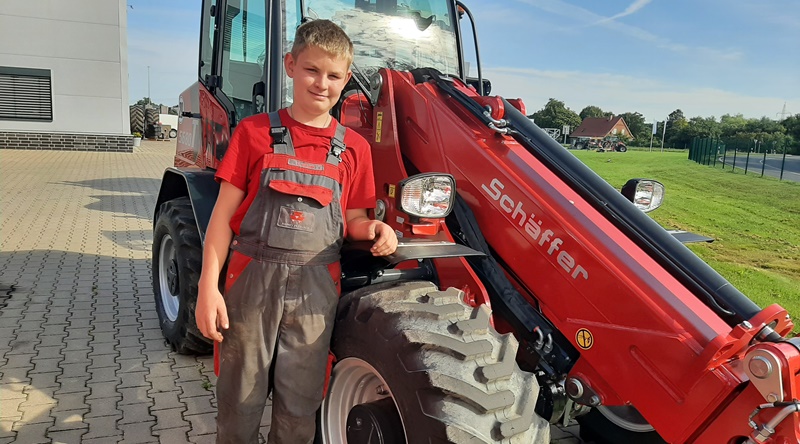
x=772, y=164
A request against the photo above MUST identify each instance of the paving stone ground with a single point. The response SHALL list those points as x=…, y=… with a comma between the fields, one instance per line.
x=82, y=359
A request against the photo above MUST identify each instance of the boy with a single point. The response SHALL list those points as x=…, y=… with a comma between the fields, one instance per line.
x=285, y=183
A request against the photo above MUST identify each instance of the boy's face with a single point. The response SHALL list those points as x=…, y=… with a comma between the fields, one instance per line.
x=318, y=78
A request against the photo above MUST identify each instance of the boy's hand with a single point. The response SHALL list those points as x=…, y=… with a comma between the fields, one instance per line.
x=360, y=227
x=384, y=236
x=211, y=314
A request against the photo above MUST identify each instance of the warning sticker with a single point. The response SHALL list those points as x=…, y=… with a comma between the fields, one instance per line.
x=391, y=191
x=378, y=126
x=584, y=339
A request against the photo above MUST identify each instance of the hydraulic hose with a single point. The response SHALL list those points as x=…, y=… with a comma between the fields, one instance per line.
x=763, y=433
x=702, y=280
x=708, y=285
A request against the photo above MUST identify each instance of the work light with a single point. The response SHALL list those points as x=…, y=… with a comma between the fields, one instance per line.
x=428, y=195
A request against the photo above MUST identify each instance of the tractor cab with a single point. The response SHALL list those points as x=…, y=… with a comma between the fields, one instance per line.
x=243, y=43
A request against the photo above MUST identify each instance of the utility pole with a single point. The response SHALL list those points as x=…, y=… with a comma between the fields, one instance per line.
x=663, y=133
x=783, y=112
x=653, y=132
x=148, y=84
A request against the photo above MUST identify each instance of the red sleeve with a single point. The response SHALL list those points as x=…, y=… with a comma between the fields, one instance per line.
x=362, y=181
x=235, y=164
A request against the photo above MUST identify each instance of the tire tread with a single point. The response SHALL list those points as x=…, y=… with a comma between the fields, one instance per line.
x=462, y=371
x=178, y=212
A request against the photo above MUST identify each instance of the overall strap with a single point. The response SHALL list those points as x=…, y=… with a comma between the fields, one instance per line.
x=337, y=145
x=281, y=139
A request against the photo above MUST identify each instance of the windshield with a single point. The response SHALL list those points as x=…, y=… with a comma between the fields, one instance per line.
x=394, y=34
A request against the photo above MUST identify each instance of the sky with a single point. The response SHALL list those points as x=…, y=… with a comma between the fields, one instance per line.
x=704, y=57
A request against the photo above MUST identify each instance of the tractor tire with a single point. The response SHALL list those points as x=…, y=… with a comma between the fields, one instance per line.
x=597, y=429
x=177, y=258
x=150, y=116
x=137, y=119
x=416, y=364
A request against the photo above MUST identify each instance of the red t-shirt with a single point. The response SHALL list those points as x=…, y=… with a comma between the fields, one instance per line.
x=242, y=163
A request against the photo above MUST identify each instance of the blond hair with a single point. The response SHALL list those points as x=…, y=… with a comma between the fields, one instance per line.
x=325, y=35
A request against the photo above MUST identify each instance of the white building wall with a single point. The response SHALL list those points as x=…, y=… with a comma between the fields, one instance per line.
x=84, y=45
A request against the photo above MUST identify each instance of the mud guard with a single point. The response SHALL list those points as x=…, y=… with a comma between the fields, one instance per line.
x=198, y=185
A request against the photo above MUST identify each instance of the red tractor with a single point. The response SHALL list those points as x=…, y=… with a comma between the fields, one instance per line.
x=525, y=291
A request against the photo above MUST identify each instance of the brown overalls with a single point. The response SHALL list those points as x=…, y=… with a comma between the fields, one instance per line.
x=281, y=295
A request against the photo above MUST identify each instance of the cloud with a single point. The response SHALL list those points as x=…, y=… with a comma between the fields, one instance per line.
x=782, y=15
x=655, y=99
x=585, y=18
x=635, y=6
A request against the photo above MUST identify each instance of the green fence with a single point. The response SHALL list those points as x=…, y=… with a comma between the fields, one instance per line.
x=747, y=156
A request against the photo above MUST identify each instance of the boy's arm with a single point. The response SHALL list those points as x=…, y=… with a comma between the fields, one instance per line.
x=210, y=313
x=361, y=227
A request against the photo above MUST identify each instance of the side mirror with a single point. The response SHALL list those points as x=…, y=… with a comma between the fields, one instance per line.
x=487, y=85
x=646, y=194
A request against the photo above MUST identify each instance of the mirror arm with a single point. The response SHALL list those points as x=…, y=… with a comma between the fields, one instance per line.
x=477, y=50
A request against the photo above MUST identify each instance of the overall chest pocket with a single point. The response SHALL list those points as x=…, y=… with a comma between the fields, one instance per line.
x=303, y=217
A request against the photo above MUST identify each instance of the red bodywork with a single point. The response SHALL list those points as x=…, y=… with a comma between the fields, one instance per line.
x=651, y=342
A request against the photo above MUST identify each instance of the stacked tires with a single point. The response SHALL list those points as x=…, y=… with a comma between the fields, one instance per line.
x=144, y=120
x=137, y=119
x=151, y=127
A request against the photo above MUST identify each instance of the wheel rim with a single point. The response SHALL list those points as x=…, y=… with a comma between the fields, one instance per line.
x=353, y=381
x=626, y=417
x=168, y=282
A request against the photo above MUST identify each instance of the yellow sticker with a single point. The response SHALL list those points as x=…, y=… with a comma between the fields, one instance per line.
x=378, y=126
x=391, y=190
x=584, y=339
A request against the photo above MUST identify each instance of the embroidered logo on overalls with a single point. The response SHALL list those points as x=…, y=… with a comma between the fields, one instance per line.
x=305, y=165
x=294, y=219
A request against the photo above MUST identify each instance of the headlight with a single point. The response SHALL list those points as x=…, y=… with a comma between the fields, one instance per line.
x=646, y=194
x=427, y=195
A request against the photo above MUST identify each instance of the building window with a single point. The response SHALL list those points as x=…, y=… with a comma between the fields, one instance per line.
x=25, y=94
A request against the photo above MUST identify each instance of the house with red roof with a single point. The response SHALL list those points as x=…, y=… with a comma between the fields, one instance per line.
x=594, y=130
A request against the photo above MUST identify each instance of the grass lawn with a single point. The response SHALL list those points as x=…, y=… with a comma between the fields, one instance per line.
x=755, y=221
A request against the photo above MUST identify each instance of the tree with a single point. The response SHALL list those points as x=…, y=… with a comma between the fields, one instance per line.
x=731, y=125
x=676, y=123
x=675, y=116
x=696, y=127
x=150, y=104
x=763, y=125
x=792, y=126
x=592, y=111
x=640, y=130
x=555, y=115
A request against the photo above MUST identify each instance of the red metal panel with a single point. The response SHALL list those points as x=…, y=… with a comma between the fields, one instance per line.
x=652, y=340
x=389, y=170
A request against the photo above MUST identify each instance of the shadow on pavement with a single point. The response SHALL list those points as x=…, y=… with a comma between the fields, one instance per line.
x=82, y=356
x=142, y=185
